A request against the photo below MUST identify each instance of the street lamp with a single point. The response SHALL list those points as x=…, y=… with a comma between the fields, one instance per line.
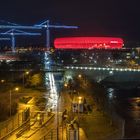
x=80, y=106
x=15, y=89
x=80, y=98
x=79, y=102
x=25, y=73
x=65, y=85
x=79, y=76
x=2, y=81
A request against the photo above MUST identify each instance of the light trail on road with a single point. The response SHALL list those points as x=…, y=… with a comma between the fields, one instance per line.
x=52, y=94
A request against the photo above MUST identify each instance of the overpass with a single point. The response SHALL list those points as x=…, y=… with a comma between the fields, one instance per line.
x=102, y=68
x=108, y=76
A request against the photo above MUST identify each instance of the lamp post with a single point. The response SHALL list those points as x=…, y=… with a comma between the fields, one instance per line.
x=79, y=76
x=57, y=123
x=58, y=117
x=2, y=81
x=10, y=102
x=65, y=85
x=79, y=102
x=25, y=73
x=79, y=107
x=10, y=94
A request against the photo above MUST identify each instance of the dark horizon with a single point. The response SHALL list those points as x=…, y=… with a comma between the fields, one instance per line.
x=95, y=18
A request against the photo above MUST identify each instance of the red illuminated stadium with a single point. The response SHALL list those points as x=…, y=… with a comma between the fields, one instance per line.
x=88, y=43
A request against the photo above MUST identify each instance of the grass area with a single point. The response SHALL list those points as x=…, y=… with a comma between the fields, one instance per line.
x=96, y=125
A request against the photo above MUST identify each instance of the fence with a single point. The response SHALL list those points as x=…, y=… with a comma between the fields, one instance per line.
x=51, y=135
x=14, y=123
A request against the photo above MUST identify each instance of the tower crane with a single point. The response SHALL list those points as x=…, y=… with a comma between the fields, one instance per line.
x=1, y=38
x=47, y=26
x=14, y=32
x=43, y=26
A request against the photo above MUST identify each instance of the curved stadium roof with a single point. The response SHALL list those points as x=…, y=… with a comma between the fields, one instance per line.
x=88, y=43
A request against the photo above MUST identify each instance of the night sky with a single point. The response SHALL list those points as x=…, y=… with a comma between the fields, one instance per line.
x=120, y=18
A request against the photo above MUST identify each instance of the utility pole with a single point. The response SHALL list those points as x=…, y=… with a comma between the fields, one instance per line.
x=123, y=129
x=48, y=35
x=10, y=104
x=13, y=41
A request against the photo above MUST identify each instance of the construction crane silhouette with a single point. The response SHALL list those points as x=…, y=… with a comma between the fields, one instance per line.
x=47, y=26
x=42, y=26
x=14, y=32
x=1, y=39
